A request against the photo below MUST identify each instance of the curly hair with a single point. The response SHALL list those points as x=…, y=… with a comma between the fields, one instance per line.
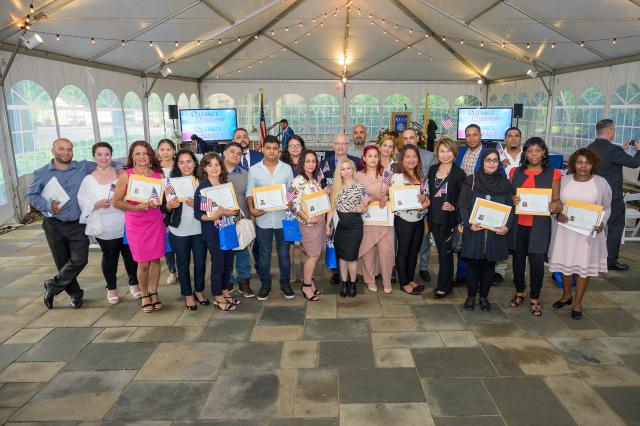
x=592, y=157
x=154, y=163
x=524, y=163
x=206, y=160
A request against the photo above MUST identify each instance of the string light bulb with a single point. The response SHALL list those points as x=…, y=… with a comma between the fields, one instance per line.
x=614, y=40
x=58, y=37
x=444, y=38
x=553, y=45
x=31, y=9
x=124, y=43
x=503, y=44
x=582, y=44
x=528, y=45
x=410, y=30
x=219, y=41
x=300, y=24
x=177, y=44
x=344, y=80
x=150, y=44
x=461, y=41
x=287, y=29
x=93, y=40
x=482, y=43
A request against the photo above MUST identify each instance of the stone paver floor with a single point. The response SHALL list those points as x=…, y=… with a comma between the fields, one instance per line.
x=376, y=359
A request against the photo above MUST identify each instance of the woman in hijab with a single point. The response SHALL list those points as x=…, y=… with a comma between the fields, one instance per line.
x=483, y=247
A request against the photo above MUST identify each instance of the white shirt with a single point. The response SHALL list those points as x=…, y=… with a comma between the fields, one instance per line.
x=106, y=224
x=189, y=225
x=512, y=163
x=408, y=215
x=259, y=176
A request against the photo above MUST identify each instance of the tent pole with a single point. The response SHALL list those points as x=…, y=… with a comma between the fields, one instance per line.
x=550, y=102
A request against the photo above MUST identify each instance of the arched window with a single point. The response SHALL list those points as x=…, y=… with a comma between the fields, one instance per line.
x=156, y=119
x=365, y=109
x=169, y=126
x=33, y=125
x=438, y=107
x=506, y=101
x=493, y=101
x=589, y=109
x=535, y=116
x=220, y=100
x=133, y=118
x=625, y=111
x=249, y=115
x=183, y=101
x=464, y=101
x=193, y=101
x=396, y=103
x=522, y=123
x=110, y=122
x=293, y=108
x=562, y=134
x=74, y=120
x=323, y=119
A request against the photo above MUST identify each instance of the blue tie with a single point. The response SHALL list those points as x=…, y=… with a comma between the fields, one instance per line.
x=245, y=163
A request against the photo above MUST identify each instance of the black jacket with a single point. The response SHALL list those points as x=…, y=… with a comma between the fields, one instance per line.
x=454, y=185
x=330, y=160
x=612, y=159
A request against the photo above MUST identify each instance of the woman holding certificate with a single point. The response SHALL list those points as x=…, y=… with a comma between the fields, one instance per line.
x=409, y=207
x=387, y=148
x=445, y=180
x=377, y=250
x=185, y=232
x=574, y=251
x=349, y=199
x=166, y=155
x=312, y=226
x=486, y=197
x=537, y=188
x=292, y=155
x=213, y=173
x=138, y=192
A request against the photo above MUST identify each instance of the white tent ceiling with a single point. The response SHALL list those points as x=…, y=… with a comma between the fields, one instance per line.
x=217, y=39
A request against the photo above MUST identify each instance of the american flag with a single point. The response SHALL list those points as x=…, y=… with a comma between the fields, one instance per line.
x=206, y=204
x=442, y=192
x=320, y=176
x=446, y=122
x=386, y=178
x=263, y=121
x=169, y=189
x=366, y=199
x=112, y=189
x=424, y=187
x=291, y=195
x=154, y=197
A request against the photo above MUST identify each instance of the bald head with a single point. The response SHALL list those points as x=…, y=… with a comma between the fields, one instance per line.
x=62, y=151
x=359, y=134
x=340, y=144
x=62, y=141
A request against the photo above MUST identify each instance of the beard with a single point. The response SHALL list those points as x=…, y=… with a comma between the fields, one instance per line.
x=358, y=141
x=62, y=160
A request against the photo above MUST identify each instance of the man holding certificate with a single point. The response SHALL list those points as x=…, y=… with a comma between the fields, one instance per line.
x=267, y=203
x=537, y=196
x=54, y=192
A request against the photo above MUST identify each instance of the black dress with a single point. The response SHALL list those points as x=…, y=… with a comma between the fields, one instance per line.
x=348, y=235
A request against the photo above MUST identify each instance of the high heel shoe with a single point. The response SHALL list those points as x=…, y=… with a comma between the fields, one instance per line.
x=344, y=290
x=190, y=307
x=157, y=305
x=204, y=302
x=560, y=303
x=314, y=297
x=353, y=289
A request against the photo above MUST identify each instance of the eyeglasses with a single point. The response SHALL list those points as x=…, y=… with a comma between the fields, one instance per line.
x=341, y=143
x=491, y=160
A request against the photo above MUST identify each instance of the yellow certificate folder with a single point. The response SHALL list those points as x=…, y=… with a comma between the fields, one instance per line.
x=140, y=188
x=489, y=214
x=316, y=204
x=270, y=197
x=533, y=201
x=583, y=215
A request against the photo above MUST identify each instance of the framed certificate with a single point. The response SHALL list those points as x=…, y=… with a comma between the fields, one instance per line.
x=316, y=203
x=583, y=215
x=534, y=201
x=223, y=195
x=140, y=188
x=376, y=216
x=184, y=187
x=489, y=214
x=270, y=197
x=405, y=197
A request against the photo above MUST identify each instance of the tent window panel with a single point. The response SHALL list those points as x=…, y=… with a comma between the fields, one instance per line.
x=589, y=109
x=293, y=108
x=324, y=118
x=169, y=124
x=75, y=122
x=220, y=100
x=562, y=128
x=111, y=122
x=193, y=101
x=438, y=108
x=535, y=116
x=365, y=109
x=465, y=101
x=133, y=118
x=33, y=125
x=183, y=101
x=625, y=112
x=156, y=119
x=4, y=200
x=396, y=103
x=249, y=115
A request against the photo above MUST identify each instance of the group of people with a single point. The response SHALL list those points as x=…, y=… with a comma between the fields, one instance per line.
x=450, y=180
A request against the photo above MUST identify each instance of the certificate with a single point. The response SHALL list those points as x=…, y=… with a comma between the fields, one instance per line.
x=583, y=215
x=183, y=187
x=270, y=197
x=377, y=216
x=53, y=191
x=489, y=214
x=223, y=195
x=316, y=204
x=140, y=189
x=534, y=201
x=405, y=197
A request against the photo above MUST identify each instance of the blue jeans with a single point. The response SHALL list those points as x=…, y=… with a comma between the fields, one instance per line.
x=265, y=241
x=183, y=247
x=243, y=266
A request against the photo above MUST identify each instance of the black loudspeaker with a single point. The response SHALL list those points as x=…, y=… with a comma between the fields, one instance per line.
x=173, y=112
x=517, y=110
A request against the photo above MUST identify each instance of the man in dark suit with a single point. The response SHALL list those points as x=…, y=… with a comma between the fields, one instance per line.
x=330, y=162
x=612, y=159
x=286, y=133
x=249, y=156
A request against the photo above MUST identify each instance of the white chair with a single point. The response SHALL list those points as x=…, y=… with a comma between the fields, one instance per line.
x=632, y=217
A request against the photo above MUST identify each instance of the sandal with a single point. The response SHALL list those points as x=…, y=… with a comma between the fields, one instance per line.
x=147, y=308
x=516, y=301
x=414, y=291
x=156, y=305
x=204, y=302
x=536, y=309
x=231, y=300
x=313, y=298
x=228, y=306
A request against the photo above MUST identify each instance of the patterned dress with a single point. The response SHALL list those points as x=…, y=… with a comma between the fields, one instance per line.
x=348, y=235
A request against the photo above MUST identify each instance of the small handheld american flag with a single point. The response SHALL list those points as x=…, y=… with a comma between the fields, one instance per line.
x=291, y=194
x=365, y=197
x=154, y=197
x=169, y=189
x=442, y=192
x=446, y=122
x=112, y=189
x=320, y=176
x=424, y=187
x=386, y=178
x=206, y=204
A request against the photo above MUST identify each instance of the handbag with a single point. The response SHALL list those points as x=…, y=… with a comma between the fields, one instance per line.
x=228, y=236
x=456, y=239
x=246, y=232
x=330, y=259
x=291, y=228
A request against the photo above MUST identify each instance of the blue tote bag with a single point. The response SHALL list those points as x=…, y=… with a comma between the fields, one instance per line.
x=228, y=237
x=291, y=228
x=330, y=259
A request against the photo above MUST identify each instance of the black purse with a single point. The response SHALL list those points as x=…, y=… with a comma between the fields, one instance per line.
x=455, y=242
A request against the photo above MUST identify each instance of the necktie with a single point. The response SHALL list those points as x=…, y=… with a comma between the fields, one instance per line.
x=245, y=163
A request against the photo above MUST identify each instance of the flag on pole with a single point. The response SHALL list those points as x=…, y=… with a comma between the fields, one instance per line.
x=386, y=177
x=154, y=197
x=425, y=121
x=442, y=192
x=263, y=122
x=446, y=122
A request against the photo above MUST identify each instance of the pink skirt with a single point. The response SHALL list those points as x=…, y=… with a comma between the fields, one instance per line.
x=146, y=234
x=313, y=237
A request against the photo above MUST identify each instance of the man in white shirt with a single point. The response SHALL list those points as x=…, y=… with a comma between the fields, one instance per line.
x=359, y=141
x=270, y=171
x=512, y=149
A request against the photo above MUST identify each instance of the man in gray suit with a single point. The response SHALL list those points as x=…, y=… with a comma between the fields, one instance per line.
x=612, y=159
x=410, y=137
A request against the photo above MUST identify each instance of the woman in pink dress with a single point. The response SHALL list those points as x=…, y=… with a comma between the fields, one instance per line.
x=144, y=223
x=572, y=253
x=377, y=250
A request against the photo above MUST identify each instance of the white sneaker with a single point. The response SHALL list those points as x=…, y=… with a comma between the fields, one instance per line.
x=171, y=278
x=112, y=297
x=135, y=291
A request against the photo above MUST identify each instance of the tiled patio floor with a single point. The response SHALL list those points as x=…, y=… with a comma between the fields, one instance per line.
x=376, y=359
